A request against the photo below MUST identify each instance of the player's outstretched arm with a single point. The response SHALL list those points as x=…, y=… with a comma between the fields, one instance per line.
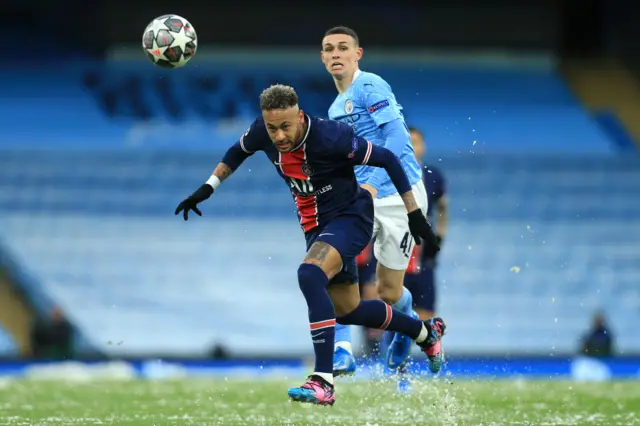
x=418, y=224
x=233, y=158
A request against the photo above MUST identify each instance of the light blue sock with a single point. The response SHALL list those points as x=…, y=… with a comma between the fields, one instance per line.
x=405, y=303
x=343, y=334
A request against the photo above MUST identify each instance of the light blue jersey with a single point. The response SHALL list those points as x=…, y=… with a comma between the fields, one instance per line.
x=371, y=108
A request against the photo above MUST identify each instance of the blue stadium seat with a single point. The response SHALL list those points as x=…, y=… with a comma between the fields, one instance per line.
x=538, y=242
x=127, y=105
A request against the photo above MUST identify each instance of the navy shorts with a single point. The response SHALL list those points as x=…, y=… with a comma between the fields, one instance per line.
x=349, y=234
x=422, y=287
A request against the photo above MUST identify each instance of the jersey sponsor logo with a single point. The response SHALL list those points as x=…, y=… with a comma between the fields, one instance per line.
x=305, y=188
x=302, y=187
x=378, y=105
x=348, y=106
x=322, y=190
x=295, y=167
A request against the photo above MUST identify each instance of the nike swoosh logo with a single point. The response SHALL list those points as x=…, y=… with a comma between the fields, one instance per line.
x=317, y=334
x=326, y=233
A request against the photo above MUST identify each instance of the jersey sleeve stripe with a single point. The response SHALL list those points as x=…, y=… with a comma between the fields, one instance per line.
x=368, y=153
x=242, y=145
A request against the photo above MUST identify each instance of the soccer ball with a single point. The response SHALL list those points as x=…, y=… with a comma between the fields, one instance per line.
x=170, y=41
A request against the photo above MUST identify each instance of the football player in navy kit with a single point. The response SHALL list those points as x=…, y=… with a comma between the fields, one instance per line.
x=316, y=160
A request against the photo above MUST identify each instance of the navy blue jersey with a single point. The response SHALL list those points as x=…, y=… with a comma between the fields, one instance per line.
x=435, y=185
x=319, y=171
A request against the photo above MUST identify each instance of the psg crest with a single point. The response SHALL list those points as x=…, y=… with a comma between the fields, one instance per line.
x=307, y=169
x=348, y=106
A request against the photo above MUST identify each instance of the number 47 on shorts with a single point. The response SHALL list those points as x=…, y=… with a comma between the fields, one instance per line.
x=406, y=245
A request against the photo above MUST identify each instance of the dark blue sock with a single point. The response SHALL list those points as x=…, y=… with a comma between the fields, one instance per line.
x=322, y=317
x=377, y=314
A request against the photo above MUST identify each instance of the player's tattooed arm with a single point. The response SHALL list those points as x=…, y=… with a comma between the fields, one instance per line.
x=222, y=171
x=410, y=201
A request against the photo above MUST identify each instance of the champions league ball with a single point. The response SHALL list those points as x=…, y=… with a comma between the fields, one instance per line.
x=170, y=41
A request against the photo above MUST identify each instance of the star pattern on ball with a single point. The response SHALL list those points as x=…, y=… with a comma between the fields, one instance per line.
x=181, y=39
x=158, y=23
x=156, y=52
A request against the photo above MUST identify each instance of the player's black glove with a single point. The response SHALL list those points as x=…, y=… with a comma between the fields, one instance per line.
x=420, y=229
x=191, y=202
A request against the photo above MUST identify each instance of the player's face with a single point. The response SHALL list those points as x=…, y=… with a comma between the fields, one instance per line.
x=285, y=127
x=419, y=146
x=340, y=55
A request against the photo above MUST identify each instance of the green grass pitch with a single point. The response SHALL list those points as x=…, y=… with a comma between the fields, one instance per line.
x=264, y=402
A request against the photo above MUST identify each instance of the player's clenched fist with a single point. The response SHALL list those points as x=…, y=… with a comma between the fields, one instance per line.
x=191, y=202
x=420, y=229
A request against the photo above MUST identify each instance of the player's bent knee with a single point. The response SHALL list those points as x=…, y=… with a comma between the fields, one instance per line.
x=369, y=292
x=390, y=284
x=389, y=294
x=307, y=274
x=324, y=256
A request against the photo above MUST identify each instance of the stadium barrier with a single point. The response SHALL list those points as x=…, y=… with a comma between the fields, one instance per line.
x=547, y=368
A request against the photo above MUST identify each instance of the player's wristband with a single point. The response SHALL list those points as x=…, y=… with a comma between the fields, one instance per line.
x=214, y=182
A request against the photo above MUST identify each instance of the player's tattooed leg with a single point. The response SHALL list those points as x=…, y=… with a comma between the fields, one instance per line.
x=326, y=257
x=317, y=254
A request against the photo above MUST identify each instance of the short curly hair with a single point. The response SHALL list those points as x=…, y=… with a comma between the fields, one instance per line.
x=278, y=96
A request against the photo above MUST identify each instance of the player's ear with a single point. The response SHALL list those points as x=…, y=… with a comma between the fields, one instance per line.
x=301, y=116
x=359, y=53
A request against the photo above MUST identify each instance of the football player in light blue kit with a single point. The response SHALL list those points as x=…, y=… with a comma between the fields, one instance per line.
x=367, y=103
